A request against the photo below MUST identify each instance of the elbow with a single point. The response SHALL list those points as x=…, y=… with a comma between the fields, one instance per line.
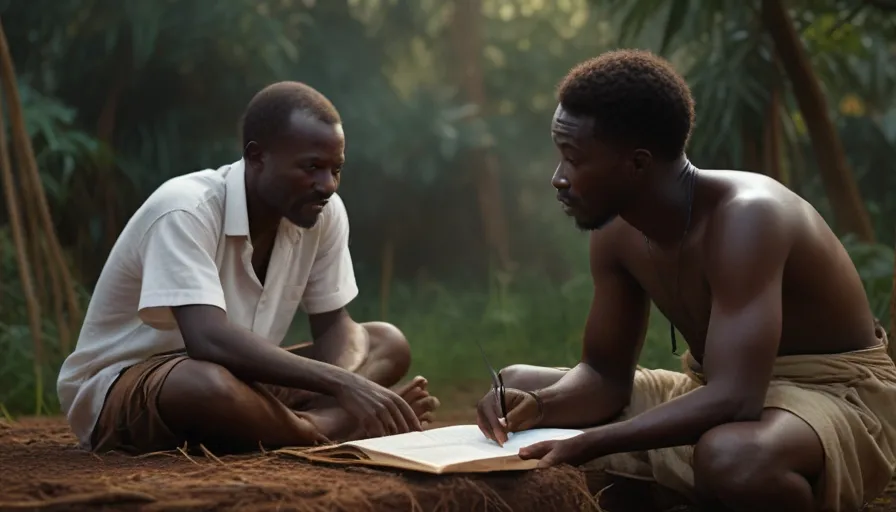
x=201, y=345
x=199, y=349
x=612, y=386
x=204, y=331
x=740, y=408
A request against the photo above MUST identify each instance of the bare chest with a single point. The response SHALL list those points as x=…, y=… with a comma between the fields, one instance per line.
x=675, y=280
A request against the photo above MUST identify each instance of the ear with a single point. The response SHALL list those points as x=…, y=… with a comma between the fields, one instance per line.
x=642, y=160
x=253, y=155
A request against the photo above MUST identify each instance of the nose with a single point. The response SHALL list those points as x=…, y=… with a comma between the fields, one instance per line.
x=326, y=183
x=559, y=180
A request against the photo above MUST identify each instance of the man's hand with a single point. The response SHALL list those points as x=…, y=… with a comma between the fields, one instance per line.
x=574, y=451
x=523, y=412
x=378, y=410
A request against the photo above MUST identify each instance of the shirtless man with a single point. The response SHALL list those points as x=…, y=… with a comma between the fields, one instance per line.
x=180, y=341
x=788, y=401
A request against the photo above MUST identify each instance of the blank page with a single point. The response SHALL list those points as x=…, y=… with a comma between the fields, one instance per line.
x=460, y=443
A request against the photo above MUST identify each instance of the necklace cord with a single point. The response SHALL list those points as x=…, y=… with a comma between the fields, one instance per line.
x=691, y=173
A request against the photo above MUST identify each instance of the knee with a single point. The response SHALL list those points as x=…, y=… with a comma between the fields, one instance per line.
x=516, y=375
x=731, y=463
x=200, y=385
x=528, y=377
x=388, y=342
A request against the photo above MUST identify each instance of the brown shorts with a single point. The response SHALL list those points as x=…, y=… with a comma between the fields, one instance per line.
x=130, y=419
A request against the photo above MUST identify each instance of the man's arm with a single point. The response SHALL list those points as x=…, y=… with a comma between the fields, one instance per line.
x=181, y=284
x=600, y=385
x=331, y=284
x=327, y=329
x=745, y=259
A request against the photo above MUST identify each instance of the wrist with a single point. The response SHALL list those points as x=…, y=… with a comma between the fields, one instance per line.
x=539, y=403
x=547, y=400
x=336, y=381
x=604, y=439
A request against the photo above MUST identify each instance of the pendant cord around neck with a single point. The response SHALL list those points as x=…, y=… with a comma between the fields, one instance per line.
x=689, y=172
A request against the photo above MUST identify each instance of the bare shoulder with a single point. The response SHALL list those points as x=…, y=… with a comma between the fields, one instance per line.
x=607, y=245
x=753, y=223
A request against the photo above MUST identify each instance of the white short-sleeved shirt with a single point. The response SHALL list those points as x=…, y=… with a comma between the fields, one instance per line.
x=189, y=244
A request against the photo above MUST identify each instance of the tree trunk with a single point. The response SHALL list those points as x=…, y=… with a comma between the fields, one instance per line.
x=105, y=130
x=18, y=236
x=842, y=191
x=28, y=165
x=466, y=34
x=750, y=158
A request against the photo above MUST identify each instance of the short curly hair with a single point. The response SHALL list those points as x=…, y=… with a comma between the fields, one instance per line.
x=268, y=113
x=633, y=96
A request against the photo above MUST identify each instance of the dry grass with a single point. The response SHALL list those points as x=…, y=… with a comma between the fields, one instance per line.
x=44, y=470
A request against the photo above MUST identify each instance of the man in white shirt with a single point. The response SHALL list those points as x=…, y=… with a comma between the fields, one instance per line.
x=181, y=338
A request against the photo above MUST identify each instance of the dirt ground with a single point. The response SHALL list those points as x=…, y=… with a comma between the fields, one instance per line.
x=41, y=468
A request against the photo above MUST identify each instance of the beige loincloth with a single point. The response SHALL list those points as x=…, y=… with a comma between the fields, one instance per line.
x=848, y=399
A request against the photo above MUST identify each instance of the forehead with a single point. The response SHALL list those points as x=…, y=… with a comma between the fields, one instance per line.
x=305, y=133
x=569, y=129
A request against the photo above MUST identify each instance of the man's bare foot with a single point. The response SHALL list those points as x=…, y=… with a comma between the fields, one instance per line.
x=416, y=394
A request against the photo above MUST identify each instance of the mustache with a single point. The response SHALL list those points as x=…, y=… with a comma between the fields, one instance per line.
x=565, y=198
x=316, y=197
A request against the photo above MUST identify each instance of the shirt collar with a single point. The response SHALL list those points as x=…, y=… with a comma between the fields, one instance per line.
x=236, y=212
x=236, y=215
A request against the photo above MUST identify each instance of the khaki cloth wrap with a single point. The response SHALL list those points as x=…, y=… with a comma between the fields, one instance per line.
x=849, y=399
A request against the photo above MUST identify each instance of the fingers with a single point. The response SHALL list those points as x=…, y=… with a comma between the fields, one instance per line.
x=483, y=423
x=517, y=418
x=495, y=425
x=537, y=450
x=547, y=461
x=372, y=423
x=488, y=415
x=405, y=410
x=396, y=418
x=499, y=425
x=522, y=411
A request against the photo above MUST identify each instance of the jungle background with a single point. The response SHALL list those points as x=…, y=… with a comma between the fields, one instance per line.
x=456, y=234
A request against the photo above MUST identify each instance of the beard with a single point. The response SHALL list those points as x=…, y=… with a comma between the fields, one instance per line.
x=589, y=221
x=303, y=218
x=299, y=212
x=594, y=223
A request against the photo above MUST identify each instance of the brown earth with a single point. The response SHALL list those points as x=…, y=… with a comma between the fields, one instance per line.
x=41, y=468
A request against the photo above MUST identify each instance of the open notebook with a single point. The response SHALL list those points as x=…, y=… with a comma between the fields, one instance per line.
x=456, y=449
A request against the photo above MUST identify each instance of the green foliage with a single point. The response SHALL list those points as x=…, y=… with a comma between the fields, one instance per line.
x=726, y=54
x=23, y=389
x=61, y=148
x=875, y=266
x=532, y=320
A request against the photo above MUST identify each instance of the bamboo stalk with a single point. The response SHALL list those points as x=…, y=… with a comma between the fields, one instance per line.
x=15, y=221
x=28, y=164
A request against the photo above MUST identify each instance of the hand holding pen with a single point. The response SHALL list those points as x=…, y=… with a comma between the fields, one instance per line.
x=504, y=410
